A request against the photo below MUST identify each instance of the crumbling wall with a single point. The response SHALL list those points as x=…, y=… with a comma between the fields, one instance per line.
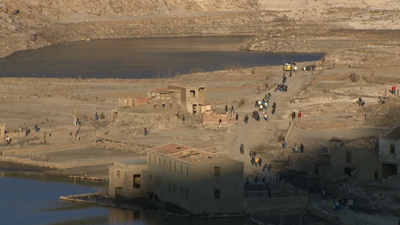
x=148, y=120
x=363, y=162
x=251, y=204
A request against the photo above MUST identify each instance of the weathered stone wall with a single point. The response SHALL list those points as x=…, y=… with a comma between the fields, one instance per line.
x=365, y=161
x=282, y=210
x=148, y=120
x=251, y=204
x=59, y=147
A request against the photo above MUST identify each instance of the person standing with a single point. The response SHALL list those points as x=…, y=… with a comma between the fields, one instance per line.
x=183, y=119
x=256, y=161
x=256, y=180
x=301, y=148
x=220, y=122
x=260, y=161
x=293, y=115
x=226, y=109
x=246, y=119
x=242, y=149
x=266, y=117
x=284, y=144
x=323, y=194
x=350, y=204
x=145, y=132
x=341, y=204
x=355, y=205
x=247, y=181
x=263, y=182
x=265, y=168
x=295, y=148
x=336, y=204
x=96, y=116
x=251, y=153
x=8, y=140
x=237, y=117
x=299, y=114
x=232, y=110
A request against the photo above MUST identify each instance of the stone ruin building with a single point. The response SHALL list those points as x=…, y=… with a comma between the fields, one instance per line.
x=182, y=100
x=357, y=157
x=366, y=158
x=198, y=181
x=389, y=160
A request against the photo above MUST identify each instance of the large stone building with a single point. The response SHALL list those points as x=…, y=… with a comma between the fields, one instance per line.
x=197, y=181
x=357, y=157
x=172, y=100
x=389, y=159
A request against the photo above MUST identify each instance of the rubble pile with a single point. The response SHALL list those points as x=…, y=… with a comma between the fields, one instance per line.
x=352, y=189
x=338, y=176
x=380, y=197
x=392, y=181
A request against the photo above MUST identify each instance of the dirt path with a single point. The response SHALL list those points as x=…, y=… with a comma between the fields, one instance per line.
x=257, y=134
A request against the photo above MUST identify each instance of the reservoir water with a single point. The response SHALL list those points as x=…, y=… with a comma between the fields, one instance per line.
x=30, y=199
x=140, y=58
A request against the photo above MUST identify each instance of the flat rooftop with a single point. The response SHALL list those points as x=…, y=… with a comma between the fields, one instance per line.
x=133, y=161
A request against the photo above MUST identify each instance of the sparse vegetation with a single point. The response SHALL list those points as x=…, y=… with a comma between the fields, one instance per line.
x=242, y=102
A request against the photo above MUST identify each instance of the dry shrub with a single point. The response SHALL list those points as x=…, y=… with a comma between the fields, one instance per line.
x=242, y=102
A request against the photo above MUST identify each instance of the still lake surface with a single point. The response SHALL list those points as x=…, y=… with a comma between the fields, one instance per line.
x=140, y=58
x=31, y=198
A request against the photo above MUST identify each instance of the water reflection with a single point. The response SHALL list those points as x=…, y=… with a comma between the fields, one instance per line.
x=32, y=198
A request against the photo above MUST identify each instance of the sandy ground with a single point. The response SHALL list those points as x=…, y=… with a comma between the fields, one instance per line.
x=359, y=37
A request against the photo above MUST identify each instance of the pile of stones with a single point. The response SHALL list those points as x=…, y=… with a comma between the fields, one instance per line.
x=392, y=181
x=351, y=189
x=380, y=197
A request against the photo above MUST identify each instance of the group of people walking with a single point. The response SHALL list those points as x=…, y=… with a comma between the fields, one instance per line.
x=254, y=160
x=340, y=204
